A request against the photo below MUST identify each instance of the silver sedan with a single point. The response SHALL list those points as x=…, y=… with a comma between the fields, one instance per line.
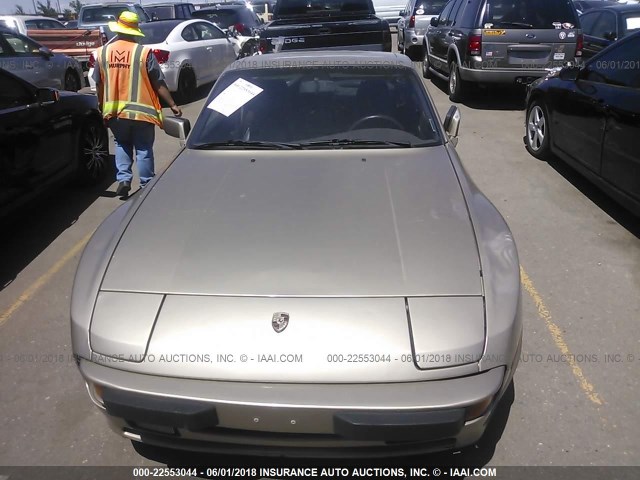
x=314, y=274
x=37, y=64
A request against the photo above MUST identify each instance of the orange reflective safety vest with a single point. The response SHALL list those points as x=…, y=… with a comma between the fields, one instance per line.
x=128, y=92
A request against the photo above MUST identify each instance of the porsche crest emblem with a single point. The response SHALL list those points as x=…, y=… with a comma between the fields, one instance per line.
x=279, y=321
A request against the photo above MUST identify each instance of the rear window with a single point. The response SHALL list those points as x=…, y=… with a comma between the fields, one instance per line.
x=156, y=32
x=221, y=17
x=99, y=14
x=161, y=13
x=309, y=7
x=430, y=7
x=538, y=14
x=631, y=22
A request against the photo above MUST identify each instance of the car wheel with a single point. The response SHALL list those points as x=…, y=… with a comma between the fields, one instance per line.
x=93, y=153
x=186, y=85
x=71, y=81
x=538, y=131
x=457, y=86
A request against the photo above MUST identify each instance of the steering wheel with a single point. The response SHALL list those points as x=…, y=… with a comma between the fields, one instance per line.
x=386, y=118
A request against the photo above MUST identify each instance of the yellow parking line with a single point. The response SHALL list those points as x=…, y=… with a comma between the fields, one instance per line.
x=558, y=339
x=44, y=278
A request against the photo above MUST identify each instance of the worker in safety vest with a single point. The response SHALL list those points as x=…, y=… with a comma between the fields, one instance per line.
x=129, y=84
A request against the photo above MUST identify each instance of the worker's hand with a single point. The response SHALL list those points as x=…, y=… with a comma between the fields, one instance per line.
x=177, y=111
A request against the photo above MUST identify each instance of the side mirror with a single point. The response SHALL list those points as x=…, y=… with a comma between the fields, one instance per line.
x=47, y=96
x=569, y=74
x=452, y=124
x=177, y=127
x=611, y=36
x=45, y=52
x=433, y=22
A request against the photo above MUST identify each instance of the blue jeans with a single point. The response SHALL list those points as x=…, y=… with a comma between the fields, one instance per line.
x=130, y=134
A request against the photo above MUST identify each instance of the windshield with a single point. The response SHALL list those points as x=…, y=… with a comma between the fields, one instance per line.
x=539, y=14
x=329, y=106
x=303, y=7
x=222, y=18
x=156, y=32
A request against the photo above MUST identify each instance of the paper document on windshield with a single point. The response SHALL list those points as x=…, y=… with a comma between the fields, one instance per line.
x=234, y=96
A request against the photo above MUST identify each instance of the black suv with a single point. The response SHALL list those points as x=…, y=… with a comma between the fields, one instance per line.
x=226, y=15
x=170, y=11
x=500, y=41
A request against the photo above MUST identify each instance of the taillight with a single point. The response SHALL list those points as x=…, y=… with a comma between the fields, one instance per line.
x=579, y=45
x=92, y=60
x=103, y=36
x=161, y=55
x=475, y=45
x=240, y=28
x=412, y=21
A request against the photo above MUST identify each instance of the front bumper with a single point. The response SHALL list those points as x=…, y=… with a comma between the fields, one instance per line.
x=328, y=420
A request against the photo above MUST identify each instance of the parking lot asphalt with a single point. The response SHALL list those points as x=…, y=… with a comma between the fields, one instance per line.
x=576, y=393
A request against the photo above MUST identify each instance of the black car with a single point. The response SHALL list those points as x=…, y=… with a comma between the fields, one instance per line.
x=603, y=26
x=239, y=16
x=589, y=116
x=47, y=137
x=500, y=41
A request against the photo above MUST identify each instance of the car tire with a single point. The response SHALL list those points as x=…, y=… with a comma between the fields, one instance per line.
x=537, y=136
x=71, y=81
x=93, y=153
x=457, y=87
x=186, y=85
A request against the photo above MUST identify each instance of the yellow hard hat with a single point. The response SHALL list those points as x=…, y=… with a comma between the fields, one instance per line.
x=127, y=24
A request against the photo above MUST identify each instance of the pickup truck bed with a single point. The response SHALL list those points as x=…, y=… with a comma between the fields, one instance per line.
x=75, y=43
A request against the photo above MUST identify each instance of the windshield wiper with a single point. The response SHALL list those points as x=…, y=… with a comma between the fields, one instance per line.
x=516, y=24
x=247, y=143
x=344, y=142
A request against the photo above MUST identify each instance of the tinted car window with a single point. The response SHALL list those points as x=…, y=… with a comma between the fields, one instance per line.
x=43, y=24
x=20, y=44
x=605, y=24
x=619, y=66
x=101, y=14
x=221, y=17
x=162, y=12
x=302, y=7
x=528, y=14
x=387, y=104
x=631, y=22
x=207, y=32
x=156, y=32
x=444, y=16
x=587, y=22
x=13, y=93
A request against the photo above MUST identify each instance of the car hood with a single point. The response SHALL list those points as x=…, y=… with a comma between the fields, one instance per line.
x=341, y=223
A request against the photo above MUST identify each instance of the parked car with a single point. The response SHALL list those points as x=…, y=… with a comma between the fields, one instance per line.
x=22, y=23
x=333, y=24
x=388, y=10
x=100, y=14
x=37, y=64
x=350, y=230
x=48, y=138
x=413, y=24
x=603, y=26
x=588, y=117
x=168, y=11
x=500, y=41
x=190, y=53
